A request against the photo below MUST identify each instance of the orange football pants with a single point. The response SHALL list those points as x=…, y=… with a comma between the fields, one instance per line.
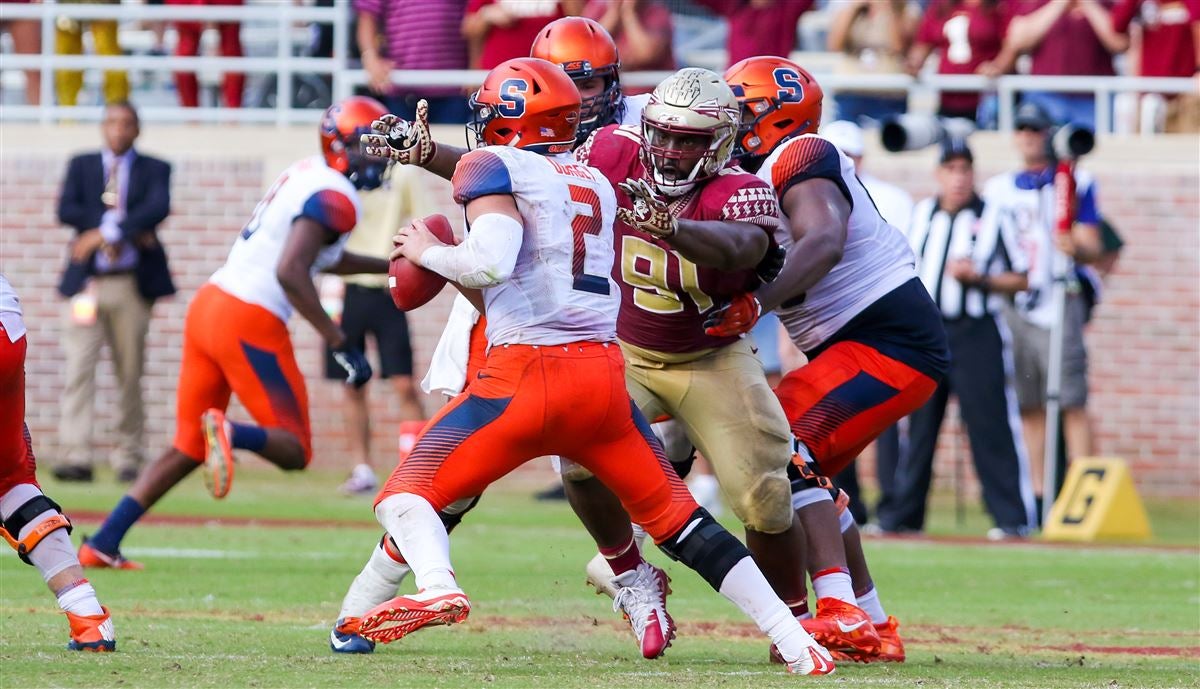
x=17, y=463
x=531, y=401
x=845, y=397
x=232, y=346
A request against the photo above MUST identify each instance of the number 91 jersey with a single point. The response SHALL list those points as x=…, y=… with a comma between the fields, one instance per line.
x=560, y=290
x=665, y=296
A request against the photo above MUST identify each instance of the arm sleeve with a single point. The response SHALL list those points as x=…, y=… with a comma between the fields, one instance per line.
x=155, y=205
x=1088, y=211
x=753, y=202
x=480, y=173
x=332, y=209
x=485, y=259
x=808, y=158
x=70, y=206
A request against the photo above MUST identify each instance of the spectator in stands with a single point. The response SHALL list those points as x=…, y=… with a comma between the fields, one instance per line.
x=873, y=37
x=499, y=30
x=643, y=31
x=967, y=34
x=1063, y=37
x=189, y=45
x=68, y=40
x=970, y=268
x=1026, y=199
x=1163, y=43
x=895, y=205
x=26, y=37
x=114, y=199
x=368, y=309
x=413, y=34
x=759, y=27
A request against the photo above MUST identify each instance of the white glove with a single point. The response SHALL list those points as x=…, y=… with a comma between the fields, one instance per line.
x=649, y=213
x=401, y=141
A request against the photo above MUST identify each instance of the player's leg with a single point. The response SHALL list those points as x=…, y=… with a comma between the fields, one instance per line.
x=68, y=40
x=201, y=386
x=32, y=523
x=891, y=646
x=188, y=45
x=116, y=81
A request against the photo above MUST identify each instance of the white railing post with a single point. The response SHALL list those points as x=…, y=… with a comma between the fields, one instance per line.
x=283, y=74
x=340, y=88
x=1006, y=108
x=1103, y=110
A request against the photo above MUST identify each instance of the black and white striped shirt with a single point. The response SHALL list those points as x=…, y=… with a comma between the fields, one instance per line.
x=937, y=237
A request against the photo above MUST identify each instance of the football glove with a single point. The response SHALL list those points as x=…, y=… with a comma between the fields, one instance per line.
x=401, y=141
x=771, y=264
x=352, y=359
x=649, y=213
x=735, y=318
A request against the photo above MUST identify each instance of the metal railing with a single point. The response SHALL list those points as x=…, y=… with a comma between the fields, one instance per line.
x=345, y=78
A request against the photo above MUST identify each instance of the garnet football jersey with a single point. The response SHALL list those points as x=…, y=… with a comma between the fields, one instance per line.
x=664, y=296
x=309, y=189
x=560, y=290
x=875, y=260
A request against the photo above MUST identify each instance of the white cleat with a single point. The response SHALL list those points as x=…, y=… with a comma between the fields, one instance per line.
x=815, y=660
x=600, y=576
x=642, y=597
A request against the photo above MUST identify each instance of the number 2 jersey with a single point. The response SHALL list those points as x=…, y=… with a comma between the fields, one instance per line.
x=664, y=296
x=307, y=189
x=876, y=258
x=560, y=290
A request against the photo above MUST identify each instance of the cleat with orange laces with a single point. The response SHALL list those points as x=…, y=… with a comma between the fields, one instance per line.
x=840, y=626
x=92, y=632
x=403, y=615
x=97, y=559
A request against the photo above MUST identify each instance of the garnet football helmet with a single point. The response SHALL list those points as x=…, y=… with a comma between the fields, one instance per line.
x=779, y=100
x=341, y=126
x=525, y=103
x=584, y=50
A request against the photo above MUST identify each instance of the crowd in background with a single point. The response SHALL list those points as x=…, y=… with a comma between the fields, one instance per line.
x=986, y=37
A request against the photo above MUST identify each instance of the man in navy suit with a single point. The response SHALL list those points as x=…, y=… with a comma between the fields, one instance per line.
x=115, y=200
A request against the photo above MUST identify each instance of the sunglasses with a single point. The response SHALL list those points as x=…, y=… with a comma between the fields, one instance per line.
x=1028, y=128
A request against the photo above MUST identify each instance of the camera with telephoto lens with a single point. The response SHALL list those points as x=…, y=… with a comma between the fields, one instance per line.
x=1070, y=142
x=912, y=132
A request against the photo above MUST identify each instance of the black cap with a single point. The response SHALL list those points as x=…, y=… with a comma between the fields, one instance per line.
x=1034, y=116
x=955, y=147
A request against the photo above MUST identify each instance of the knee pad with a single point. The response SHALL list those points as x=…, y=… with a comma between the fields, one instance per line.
x=845, y=520
x=453, y=514
x=705, y=546
x=766, y=504
x=33, y=511
x=809, y=496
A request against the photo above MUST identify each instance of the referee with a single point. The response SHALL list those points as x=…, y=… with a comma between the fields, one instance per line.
x=970, y=268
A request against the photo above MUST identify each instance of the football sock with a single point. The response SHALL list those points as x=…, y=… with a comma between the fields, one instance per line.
x=244, y=436
x=624, y=558
x=79, y=598
x=869, y=602
x=834, y=582
x=421, y=537
x=799, y=608
x=748, y=589
x=108, y=539
x=376, y=583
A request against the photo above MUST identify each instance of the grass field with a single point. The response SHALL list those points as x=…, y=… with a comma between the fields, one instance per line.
x=231, y=604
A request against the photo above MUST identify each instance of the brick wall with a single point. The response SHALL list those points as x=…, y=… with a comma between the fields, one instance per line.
x=1144, y=341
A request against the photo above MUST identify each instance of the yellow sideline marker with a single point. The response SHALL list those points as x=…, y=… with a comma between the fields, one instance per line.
x=1098, y=503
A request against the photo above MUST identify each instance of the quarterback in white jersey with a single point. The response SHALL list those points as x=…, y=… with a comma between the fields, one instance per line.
x=235, y=337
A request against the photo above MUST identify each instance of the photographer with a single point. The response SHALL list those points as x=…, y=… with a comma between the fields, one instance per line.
x=1026, y=200
x=970, y=269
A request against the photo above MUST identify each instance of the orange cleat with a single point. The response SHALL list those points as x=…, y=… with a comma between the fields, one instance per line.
x=891, y=646
x=97, y=559
x=92, y=632
x=403, y=615
x=218, y=453
x=842, y=627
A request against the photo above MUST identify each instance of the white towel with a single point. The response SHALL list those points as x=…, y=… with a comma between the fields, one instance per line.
x=448, y=369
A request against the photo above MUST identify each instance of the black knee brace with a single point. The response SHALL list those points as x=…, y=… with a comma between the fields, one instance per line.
x=11, y=529
x=705, y=546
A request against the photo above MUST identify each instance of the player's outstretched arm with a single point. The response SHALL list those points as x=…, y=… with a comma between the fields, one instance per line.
x=410, y=143
x=357, y=264
x=818, y=215
x=305, y=241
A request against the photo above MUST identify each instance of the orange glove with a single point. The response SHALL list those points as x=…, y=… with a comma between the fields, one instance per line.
x=735, y=318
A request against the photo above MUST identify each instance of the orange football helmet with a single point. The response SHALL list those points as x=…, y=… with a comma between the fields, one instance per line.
x=341, y=126
x=779, y=100
x=584, y=50
x=526, y=103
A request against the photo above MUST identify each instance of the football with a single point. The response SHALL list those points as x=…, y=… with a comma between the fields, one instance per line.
x=411, y=285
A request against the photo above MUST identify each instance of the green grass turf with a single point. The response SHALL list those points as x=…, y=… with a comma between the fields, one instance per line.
x=232, y=606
